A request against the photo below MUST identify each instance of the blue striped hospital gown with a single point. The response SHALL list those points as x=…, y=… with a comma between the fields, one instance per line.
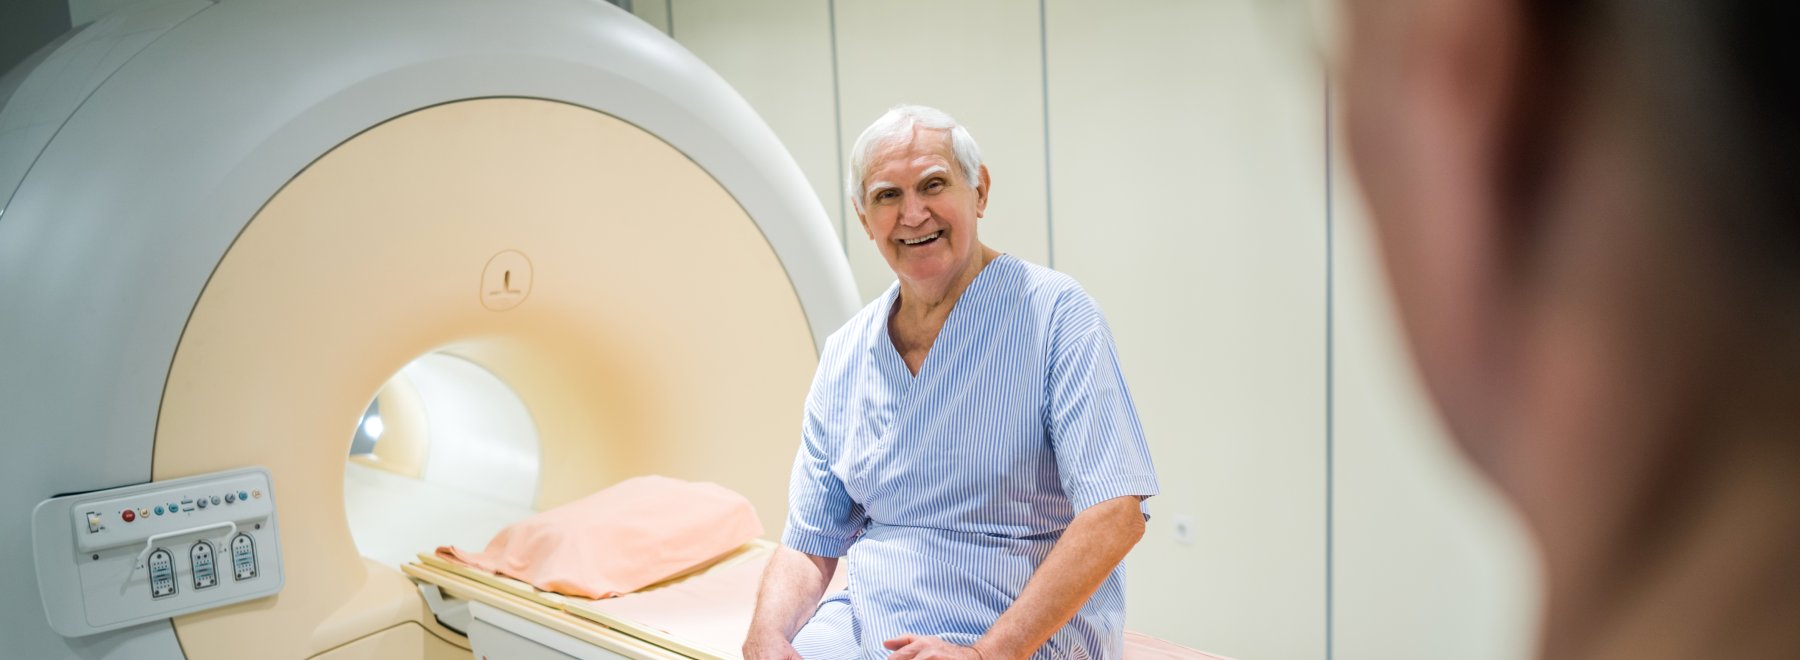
x=948, y=489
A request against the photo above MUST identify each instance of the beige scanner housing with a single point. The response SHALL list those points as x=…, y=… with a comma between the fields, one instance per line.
x=659, y=335
x=331, y=189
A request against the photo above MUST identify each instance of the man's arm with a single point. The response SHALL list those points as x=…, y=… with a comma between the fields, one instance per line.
x=791, y=588
x=1095, y=542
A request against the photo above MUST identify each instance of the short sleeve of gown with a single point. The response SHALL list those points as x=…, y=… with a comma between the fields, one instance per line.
x=1093, y=424
x=822, y=519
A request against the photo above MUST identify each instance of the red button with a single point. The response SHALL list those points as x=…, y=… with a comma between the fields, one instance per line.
x=129, y=515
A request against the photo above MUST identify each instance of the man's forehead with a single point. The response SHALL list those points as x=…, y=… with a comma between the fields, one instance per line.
x=920, y=142
x=919, y=163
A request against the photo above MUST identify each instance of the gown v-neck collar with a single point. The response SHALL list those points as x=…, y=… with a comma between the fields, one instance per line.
x=970, y=294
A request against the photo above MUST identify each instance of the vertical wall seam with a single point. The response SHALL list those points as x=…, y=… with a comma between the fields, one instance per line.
x=1330, y=376
x=669, y=6
x=837, y=119
x=1049, y=207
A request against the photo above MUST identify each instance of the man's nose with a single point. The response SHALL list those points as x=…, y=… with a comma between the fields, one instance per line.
x=913, y=212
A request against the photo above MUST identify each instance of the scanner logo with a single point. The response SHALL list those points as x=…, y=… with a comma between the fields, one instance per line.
x=506, y=281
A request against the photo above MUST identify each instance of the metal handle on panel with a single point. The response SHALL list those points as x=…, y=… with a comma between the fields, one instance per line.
x=150, y=543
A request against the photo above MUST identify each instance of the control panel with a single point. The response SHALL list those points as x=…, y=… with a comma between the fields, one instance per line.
x=120, y=557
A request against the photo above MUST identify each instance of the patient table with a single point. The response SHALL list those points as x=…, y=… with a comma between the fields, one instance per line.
x=701, y=615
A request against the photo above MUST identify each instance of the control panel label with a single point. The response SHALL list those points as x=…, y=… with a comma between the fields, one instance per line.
x=201, y=556
x=243, y=557
x=162, y=574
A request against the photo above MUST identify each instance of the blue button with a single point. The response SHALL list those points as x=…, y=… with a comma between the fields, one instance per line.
x=159, y=509
x=243, y=495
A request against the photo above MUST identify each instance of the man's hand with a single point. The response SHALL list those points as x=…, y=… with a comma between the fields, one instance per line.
x=769, y=647
x=924, y=647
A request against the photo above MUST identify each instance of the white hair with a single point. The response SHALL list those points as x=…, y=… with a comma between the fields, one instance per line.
x=898, y=123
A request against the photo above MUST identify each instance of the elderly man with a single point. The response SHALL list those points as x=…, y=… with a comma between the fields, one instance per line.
x=1588, y=214
x=968, y=442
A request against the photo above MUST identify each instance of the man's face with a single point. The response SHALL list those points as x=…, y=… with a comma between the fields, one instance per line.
x=920, y=209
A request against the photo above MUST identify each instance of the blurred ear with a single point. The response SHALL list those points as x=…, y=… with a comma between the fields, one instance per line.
x=1472, y=87
x=1430, y=98
x=1505, y=79
x=863, y=217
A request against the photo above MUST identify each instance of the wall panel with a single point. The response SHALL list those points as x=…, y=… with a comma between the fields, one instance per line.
x=654, y=12
x=1187, y=165
x=777, y=53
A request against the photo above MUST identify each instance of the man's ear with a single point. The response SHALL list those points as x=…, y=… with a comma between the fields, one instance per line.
x=981, y=192
x=863, y=217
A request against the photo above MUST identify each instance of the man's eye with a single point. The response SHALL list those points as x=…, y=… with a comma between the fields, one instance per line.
x=886, y=194
x=934, y=184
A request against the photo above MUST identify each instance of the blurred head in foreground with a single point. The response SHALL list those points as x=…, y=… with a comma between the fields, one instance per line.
x=1589, y=213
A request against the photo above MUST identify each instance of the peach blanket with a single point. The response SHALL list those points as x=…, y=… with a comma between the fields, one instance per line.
x=638, y=532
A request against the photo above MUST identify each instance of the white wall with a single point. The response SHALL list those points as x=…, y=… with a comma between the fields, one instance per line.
x=1187, y=176
x=1173, y=155
x=1429, y=563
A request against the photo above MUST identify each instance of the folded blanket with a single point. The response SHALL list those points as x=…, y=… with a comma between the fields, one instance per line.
x=638, y=532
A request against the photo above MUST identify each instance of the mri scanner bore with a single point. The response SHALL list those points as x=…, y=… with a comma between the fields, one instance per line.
x=455, y=460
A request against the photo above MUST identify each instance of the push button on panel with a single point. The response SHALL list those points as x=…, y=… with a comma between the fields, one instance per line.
x=93, y=522
x=128, y=515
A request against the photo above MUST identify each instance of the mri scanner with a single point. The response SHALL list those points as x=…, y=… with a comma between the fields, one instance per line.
x=227, y=226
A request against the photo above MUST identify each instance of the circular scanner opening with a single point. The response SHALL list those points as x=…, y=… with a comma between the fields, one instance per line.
x=446, y=454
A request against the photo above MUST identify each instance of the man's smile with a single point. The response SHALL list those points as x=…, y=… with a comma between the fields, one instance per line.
x=922, y=240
